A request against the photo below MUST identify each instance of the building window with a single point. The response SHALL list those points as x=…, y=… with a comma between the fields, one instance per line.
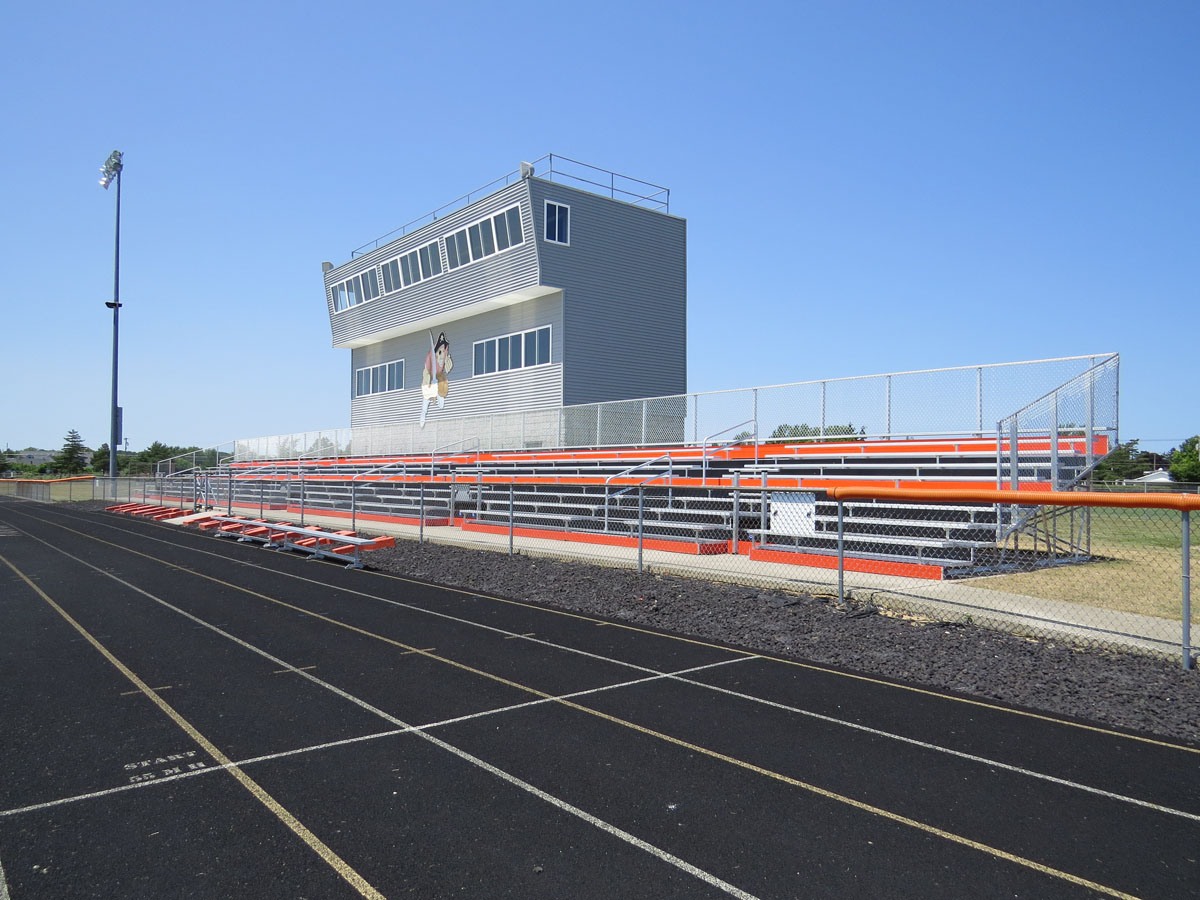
x=413, y=267
x=512, y=351
x=485, y=238
x=356, y=290
x=379, y=379
x=558, y=223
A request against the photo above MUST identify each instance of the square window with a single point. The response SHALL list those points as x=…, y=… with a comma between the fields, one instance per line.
x=479, y=357
x=452, y=252
x=543, y=339
x=435, y=259
x=490, y=361
x=503, y=354
x=531, y=357
x=514, y=226
x=558, y=223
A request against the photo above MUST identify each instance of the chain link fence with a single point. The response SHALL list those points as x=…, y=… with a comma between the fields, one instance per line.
x=961, y=401
x=1098, y=570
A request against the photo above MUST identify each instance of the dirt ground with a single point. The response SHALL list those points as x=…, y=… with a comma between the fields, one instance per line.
x=1145, y=694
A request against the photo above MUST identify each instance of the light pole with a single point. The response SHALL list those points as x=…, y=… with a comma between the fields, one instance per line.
x=111, y=172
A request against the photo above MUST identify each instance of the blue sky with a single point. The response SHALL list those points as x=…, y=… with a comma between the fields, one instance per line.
x=869, y=187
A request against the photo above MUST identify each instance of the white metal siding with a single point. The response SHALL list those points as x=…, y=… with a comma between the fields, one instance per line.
x=530, y=388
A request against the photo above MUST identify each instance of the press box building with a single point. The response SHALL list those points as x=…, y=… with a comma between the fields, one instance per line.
x=555, y=289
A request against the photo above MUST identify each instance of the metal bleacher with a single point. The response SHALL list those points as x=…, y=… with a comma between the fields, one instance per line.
x=684, y=498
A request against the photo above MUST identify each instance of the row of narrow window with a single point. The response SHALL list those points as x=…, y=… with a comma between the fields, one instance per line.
x=480, y=240
x=513, y=351
x=387, y=376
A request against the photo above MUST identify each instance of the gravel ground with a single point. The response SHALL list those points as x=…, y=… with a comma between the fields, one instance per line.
x=1144, y=694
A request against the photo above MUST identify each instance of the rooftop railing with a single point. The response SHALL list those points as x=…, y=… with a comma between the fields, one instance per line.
x=550, y=167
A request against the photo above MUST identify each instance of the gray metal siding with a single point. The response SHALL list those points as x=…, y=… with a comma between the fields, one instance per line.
x=445, y=294
x=533, y=388
x=625, y=307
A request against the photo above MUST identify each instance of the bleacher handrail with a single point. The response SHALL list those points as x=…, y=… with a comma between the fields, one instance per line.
x=717, y=448
x=669, y=474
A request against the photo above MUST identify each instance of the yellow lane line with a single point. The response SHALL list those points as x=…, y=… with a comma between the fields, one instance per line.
x=862, y=806
x=335, y=862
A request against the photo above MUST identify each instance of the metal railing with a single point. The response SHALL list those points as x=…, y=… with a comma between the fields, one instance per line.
x=552, y=168
x=951, y=403
x=927, y=554
x=656, y=476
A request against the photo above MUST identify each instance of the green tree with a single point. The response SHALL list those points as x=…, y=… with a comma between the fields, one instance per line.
x=1185, y=460
x=1125, y=462
x=72, y=459
x=804, y=430
x=6, y=461
x=100, y=460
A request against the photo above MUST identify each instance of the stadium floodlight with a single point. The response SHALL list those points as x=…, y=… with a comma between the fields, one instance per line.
x=110, y=172
x=111, y=169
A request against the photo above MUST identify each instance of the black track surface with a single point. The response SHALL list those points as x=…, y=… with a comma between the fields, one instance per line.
x=192, y=717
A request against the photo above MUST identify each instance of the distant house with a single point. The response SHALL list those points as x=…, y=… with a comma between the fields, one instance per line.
x=1158, y=476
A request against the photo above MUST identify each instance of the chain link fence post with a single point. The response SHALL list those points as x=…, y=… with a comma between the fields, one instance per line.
x=641, y=523
x=841, y=554
x=1186, y=528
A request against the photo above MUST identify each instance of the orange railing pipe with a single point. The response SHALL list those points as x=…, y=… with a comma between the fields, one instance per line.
x=1180, y=502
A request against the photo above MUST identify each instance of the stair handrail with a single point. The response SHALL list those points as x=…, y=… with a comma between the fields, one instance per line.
x=436, y=450
x=705, y=455
x=654, y=477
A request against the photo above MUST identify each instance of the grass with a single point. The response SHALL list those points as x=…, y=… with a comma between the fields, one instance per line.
x=1138, y=567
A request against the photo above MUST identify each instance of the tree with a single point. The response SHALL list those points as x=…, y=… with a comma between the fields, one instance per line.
x=6, y=461
x=1185, y=460
x=100, y=459
x=804, y=430
x=72, y=459
x=1125, y=462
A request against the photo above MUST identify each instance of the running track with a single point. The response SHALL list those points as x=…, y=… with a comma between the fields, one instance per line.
x=191, y=717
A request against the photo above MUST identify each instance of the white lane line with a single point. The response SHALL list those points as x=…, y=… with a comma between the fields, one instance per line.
x=3, y=884
x=343, y=742
x=924, y=745
x=293, y=669
x=607, y=827
x=937, y=748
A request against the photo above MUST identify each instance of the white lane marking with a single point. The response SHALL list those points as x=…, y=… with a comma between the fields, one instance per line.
x=607, y=827
x=937, y=748
x=960, y=754
x=342, y=742
x=3, y=884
